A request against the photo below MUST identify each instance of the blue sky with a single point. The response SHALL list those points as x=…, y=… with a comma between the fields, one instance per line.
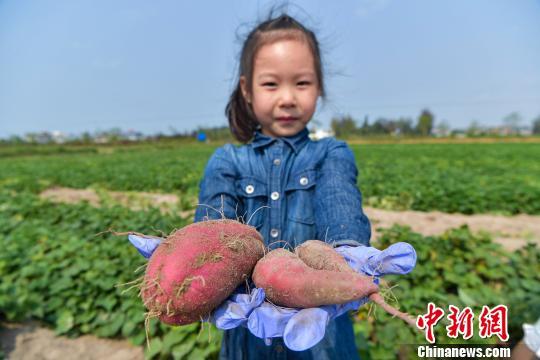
x=153, y=66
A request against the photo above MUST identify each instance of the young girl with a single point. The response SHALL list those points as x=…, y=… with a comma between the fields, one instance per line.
x=290, y=188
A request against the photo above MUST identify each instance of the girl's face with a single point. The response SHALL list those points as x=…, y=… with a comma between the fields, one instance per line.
x=285, y=87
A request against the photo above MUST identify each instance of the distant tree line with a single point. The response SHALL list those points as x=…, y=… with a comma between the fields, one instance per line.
x=536, y=126
x=346, y=126
x=343, y=127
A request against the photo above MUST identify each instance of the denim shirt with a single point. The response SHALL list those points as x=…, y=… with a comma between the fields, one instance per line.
x=292, y=189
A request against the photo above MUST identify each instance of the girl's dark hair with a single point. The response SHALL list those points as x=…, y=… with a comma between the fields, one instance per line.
x=242, y=121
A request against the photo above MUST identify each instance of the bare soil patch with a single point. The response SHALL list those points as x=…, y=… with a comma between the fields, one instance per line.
x=131, y=199
x=510, y=231
x=29, y=341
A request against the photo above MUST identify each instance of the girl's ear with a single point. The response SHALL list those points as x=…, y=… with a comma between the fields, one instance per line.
x=243, y=86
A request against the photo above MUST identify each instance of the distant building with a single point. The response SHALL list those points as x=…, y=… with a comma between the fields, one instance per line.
x=133, y=135
x=58, y=137
x=441, y=132
x=43, y=137
x=101, y=139
x=458, y=133
x=509, y=131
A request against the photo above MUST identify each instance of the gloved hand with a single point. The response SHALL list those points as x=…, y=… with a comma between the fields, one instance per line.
x=300, y=328
x=303, y=328
x=398, y=258
x=233, y=312
x=145, y=245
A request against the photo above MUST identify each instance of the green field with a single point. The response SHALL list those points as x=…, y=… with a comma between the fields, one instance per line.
x=467, y=178
x=55, y=269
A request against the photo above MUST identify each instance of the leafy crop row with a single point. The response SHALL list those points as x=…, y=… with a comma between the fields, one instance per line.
x=147, y=169
x=460, y=269
x=465, y=178
x=55, y=269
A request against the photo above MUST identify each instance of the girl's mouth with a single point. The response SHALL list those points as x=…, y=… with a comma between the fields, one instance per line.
x=286, y=118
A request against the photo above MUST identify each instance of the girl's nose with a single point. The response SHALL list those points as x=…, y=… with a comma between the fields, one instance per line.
x=287, y=98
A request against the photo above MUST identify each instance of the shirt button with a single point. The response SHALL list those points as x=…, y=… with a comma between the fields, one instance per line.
x=274, y=233
x=274, y=195
x=304, y=181
x=250, y=189
x=277, y=162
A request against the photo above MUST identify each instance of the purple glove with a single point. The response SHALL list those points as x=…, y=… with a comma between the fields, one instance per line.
x=398, y=258
x=236, y=309
x=145, y=245
x=302, y=329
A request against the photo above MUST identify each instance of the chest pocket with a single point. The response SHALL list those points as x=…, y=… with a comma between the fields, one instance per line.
x=253, y=196
x=300, y=191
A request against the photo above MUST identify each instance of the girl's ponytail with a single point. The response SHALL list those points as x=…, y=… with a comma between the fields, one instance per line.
x=242, y=122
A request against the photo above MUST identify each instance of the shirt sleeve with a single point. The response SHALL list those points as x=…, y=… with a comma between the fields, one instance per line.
x=338, y=202
x=217, y=194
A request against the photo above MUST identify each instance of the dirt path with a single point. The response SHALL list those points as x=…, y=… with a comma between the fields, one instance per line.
x=510, y=231
x=132, y=199
x=29, y=341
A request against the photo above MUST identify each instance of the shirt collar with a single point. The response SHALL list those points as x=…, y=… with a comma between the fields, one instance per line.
x=295, y=142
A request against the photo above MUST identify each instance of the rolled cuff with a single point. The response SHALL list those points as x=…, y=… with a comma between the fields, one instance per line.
x=347, y=243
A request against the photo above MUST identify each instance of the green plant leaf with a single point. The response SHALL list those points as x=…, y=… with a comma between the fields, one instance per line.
x=155, y=348
x=65, y=322
x=465, y=297
x=180, y=351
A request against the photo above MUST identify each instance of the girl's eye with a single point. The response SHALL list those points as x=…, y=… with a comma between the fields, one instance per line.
x=304, y=83
x=269, y=84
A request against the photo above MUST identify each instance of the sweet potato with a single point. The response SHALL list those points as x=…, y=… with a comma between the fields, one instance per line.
x=288, y=281
x=321, y=256
x=196, y=268
x=316, y=275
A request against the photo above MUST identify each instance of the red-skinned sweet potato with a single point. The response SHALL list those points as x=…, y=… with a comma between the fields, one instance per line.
x=316, y=275
x=196, y=268
x=288, y=281
x=321, y=256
